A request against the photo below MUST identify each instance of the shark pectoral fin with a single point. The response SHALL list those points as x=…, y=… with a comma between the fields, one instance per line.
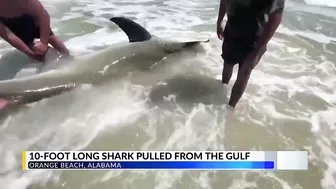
x=34, y=96
x=133, y=30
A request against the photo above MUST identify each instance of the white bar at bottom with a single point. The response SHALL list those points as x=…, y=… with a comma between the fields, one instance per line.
x=292, y=160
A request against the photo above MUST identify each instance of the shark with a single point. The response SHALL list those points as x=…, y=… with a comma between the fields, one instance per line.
x=71, y=71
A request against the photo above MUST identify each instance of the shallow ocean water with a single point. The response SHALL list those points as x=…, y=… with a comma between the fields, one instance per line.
x=290, y=103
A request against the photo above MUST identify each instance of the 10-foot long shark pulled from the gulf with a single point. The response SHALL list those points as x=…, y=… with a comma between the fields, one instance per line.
x=86, y=69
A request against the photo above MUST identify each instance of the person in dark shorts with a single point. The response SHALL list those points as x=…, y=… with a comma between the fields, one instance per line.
x=249, y=27
x=23, y=21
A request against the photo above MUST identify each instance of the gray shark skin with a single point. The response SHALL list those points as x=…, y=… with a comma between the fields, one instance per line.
x=74, y=71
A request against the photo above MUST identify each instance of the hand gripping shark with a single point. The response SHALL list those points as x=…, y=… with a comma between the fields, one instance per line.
x=87, y=69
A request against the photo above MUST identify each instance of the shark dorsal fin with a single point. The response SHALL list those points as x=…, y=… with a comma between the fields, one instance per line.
x=133, y=30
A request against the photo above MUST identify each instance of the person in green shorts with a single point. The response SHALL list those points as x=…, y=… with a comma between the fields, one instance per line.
x=249, y=27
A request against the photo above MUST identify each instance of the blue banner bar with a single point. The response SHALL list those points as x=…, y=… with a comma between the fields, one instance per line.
x=177, y=165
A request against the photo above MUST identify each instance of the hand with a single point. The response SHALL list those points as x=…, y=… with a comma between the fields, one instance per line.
x=220, y=30
x=40, y=48
x=35, y=56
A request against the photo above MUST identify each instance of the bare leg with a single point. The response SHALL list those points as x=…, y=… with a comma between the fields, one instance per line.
x=58, y=45
x=239, y=87
x=227, y=72
x=240, y=84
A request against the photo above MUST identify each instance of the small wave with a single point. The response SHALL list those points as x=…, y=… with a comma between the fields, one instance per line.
x=324, y=3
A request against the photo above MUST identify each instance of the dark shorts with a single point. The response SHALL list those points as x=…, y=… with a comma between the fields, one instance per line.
x=235, y=49
x=24, y=27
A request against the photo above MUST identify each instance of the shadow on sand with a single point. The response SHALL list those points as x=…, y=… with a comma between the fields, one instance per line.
x=191, y=88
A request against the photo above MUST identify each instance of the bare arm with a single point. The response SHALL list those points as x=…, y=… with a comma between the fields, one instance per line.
x=269, y=30
x=275, y=16
x=14, y=40
x=35, y=8
x=221, y=12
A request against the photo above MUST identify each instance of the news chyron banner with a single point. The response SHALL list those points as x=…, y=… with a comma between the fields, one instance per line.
x=164, y=160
